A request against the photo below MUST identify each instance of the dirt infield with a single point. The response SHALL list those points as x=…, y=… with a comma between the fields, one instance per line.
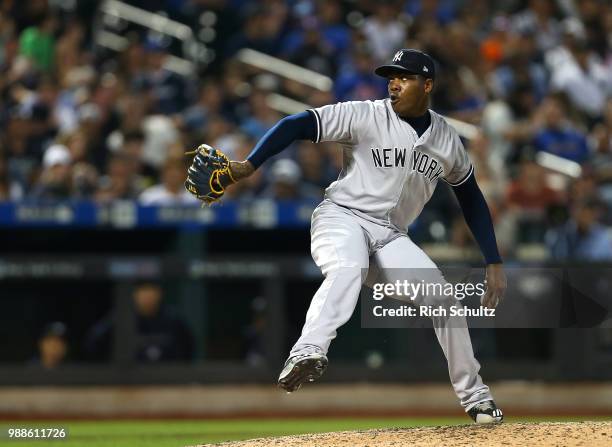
x=586, y=434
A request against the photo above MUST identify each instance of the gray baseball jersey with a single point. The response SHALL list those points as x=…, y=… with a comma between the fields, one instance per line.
x=389, y=172
x=358, y=233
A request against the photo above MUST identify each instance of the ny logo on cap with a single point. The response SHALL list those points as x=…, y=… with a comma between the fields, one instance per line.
x=398, y=56
x=425, y=69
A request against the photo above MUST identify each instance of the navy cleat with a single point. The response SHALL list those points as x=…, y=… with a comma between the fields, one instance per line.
x=486, y=413
x=302, y=368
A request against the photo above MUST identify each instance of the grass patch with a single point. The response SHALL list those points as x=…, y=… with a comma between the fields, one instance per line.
x=179, y=433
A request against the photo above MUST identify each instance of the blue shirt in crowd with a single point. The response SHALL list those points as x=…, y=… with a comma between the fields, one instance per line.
x=568, y=243
x=566, y=143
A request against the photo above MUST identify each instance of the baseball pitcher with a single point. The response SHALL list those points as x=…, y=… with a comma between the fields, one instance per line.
x=395, y=152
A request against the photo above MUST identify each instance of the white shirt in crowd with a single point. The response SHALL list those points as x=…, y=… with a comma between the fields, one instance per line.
x=159, y=195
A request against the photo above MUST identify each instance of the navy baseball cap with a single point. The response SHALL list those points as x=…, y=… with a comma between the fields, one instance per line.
x=409, y=61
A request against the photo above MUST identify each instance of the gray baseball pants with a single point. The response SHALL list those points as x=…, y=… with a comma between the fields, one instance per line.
x=342, y=245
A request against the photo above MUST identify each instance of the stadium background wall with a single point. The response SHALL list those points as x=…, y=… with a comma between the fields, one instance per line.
x=221, y=284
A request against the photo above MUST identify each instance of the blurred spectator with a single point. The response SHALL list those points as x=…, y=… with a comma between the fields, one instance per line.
x=210, y=103
x=55, y=182
x=76, y=85
x=582, y=238
x=261, y=118
x=162, y=337
x=493, y=46
x=285, y=176
x=120, y=182
x=528, y=200
x=160, y=134
x=539, y=18
x=68, y=49
x=133, y=112
x=582, y=189
x=38, y=44
x=578, y=71
x=132, y=148
x=236, y=89
x=602, y=134
x=384, y=31
x=171, y=190
x=52, y=346
x=10, y=190
x=312, y=50
x=336, y=34
x=76, y=143
x=159, y=335
x=4, y=185
x=488, y=169
x=557, y=136
x=601, y=137
x=260, y=30
x=529, y=192
x=7, y=32
x=521, y=66
x=358, y=82
x=21, y=164
x=29, y=116
x=316, y=170
x=434, y=12
x=85, y=180
x=463, y=101
x=497, y=121
x=84, y=173
x=167, y=92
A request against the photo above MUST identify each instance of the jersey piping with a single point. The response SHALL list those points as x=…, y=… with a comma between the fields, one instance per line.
x=463, y=180
x=318, y=120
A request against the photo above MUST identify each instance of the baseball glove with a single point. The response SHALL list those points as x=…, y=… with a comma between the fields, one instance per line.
x=208, y=174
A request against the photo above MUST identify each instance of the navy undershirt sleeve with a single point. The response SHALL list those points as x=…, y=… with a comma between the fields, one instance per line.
x=301, y=126
x=419, y=123
x=478, y=218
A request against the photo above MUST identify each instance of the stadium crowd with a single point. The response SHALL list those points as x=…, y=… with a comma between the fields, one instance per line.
x=79, y=122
